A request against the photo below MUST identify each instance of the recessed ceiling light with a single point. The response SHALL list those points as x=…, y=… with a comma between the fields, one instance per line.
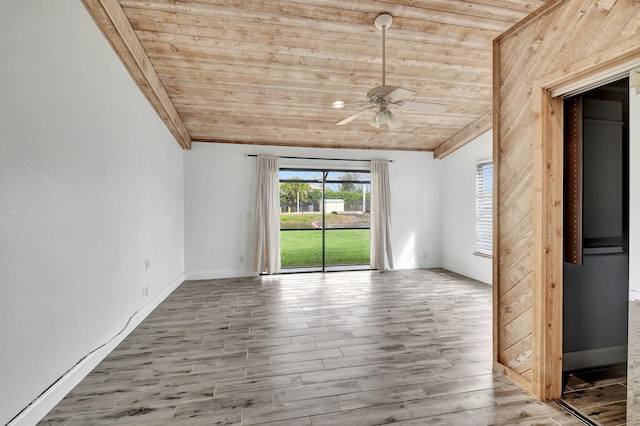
x=337, y=104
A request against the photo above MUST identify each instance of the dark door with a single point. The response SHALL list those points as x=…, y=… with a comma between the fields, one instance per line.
x=596, y=228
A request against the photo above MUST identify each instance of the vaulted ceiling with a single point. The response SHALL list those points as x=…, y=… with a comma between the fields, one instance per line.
x=266, y=72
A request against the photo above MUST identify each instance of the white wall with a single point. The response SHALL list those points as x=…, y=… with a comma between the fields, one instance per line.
x=91, y=185
x=219, y=205
x=458, y=210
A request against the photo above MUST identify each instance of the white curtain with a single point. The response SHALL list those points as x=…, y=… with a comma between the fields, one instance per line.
x=267, y=253
x=380, y=216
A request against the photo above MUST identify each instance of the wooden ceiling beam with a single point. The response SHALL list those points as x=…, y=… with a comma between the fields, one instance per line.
x=464, y=136
x=113, y=23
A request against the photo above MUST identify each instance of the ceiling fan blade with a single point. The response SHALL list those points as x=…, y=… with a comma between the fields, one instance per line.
x=356, y=115
x=399, y=93
x=423, y=107
x=341, y=104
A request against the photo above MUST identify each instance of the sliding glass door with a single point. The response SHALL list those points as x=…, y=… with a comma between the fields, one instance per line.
x=324, y=219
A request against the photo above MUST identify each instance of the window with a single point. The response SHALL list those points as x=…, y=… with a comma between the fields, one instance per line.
x=324, y=219
x=484, y=208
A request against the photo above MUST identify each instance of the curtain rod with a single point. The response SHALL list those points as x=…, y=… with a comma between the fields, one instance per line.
x=317, y=158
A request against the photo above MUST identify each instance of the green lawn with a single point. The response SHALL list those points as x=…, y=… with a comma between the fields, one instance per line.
x=343, y=247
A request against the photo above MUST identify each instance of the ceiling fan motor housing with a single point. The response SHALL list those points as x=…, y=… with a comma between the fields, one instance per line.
x=378, y=93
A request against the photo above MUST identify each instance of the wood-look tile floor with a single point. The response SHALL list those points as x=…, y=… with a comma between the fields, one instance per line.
x=600, y=394
x=406, y=347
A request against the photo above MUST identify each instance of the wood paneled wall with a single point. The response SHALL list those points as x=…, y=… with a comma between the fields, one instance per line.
x=564, y=43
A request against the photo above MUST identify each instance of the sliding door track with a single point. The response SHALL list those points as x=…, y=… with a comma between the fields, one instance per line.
x=575, y=413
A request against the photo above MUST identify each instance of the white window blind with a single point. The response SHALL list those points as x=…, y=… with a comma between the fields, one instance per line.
x=484, y=208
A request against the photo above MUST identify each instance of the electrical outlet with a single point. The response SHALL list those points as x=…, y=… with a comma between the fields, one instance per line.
x=241, y=259
x=147, y=264
x=424, y=255
x=145, y=292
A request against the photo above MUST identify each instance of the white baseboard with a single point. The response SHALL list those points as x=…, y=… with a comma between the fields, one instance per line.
x=214, y=275
x=39, y=408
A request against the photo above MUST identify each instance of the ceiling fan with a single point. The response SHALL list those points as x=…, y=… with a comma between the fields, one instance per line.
x=387, y=100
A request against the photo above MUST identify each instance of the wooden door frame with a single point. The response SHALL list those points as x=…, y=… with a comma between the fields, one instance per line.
x=547, y=114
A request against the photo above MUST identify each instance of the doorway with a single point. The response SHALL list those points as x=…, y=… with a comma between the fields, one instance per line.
x=324, y=220
x=596, y=253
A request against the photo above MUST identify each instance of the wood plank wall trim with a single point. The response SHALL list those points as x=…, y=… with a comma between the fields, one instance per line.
x=113, y=23
x=464, y=136
x=548, y=246
x=543, y=10
x=540, y=192
x=496, y=197
x=564, y=44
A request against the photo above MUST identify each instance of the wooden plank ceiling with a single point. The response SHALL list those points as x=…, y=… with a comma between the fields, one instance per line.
x=266, y=72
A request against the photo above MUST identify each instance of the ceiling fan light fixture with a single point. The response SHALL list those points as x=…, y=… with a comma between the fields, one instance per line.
x=337, y=104
x=386, y=117
x=380, y=119
x=394, y=120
